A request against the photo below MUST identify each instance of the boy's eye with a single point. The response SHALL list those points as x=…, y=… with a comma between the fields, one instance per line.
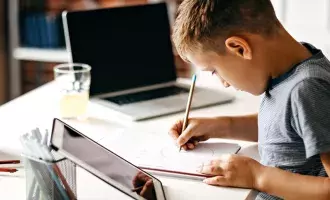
x=213, y=72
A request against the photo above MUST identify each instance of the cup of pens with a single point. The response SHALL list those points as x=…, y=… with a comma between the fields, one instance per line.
x=73, y=82
x=48, y=176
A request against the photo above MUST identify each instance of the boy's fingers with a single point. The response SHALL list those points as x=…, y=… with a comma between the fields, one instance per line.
x=217, y=181
x=174, y=134
x=190, y=145
x=210, y=169
x=178, y=125
x=147, y=188
x=185, y=136
x=195, y=143
x=175, y=130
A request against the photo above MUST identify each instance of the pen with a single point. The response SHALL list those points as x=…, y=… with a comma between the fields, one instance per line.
x=10, y=170
x=191, y=93
x=137, y=189
x=2, y=162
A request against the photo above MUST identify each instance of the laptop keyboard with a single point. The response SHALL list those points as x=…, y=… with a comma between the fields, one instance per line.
x=147, y=95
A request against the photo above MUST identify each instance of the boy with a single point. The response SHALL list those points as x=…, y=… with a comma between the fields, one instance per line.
x=244, y=44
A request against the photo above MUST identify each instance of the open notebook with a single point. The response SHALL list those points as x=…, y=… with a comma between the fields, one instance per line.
x=160, y=155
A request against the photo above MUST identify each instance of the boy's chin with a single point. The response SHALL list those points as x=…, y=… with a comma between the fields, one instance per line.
x=238, y=89
x=257, y=93
x=254, y=92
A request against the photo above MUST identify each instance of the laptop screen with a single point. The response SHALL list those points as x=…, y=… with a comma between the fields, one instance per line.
x=127, y=47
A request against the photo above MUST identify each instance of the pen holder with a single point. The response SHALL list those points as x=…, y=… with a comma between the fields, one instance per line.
x=54, y=180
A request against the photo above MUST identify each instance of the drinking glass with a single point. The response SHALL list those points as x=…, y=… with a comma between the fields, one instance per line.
x=73, y=81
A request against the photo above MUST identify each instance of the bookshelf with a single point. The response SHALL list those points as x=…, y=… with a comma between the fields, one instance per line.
x=41, y=55
x=20, y=53
x=3, y=54
x=13, y=43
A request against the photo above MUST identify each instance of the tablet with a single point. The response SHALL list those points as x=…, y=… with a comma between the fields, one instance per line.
x=105, y=164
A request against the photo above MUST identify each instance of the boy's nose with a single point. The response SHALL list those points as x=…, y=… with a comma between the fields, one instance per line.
x=226, y=84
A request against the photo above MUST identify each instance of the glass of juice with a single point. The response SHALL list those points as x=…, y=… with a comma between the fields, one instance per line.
x=73, y=81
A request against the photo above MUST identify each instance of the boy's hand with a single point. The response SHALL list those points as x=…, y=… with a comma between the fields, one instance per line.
x=232, y=171
x=144, y=186
x=199, y=129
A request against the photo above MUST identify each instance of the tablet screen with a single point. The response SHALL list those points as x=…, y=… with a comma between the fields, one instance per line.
x=107, y=165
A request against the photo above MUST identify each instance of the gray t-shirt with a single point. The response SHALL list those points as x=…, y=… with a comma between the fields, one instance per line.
x=294, y=118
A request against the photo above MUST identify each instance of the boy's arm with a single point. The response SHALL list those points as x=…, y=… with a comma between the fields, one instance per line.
x=244, y=128
x=325, y=157
x=310, y=119
x=244, y=172
x=288, y=185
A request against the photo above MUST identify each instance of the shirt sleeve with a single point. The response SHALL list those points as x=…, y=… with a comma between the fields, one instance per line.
x=310, y=101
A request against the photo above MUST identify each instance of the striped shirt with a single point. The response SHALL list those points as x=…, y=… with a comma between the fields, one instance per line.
x=294, y=118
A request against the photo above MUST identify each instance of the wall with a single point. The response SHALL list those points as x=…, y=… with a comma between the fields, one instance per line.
x=306, y=20
x=2, y=55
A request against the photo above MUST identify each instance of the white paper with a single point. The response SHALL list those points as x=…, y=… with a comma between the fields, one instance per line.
x=147, y=150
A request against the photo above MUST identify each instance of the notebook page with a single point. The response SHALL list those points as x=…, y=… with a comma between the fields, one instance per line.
x=161, y=152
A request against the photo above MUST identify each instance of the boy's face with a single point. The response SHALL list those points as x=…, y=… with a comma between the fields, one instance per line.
x=233, y=70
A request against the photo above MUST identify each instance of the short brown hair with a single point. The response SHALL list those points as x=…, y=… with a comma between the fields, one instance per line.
x=199, y=23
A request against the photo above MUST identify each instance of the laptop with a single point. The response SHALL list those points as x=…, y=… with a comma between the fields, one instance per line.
x=131, y=55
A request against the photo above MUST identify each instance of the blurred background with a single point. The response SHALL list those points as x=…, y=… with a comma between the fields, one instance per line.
x=32, y=43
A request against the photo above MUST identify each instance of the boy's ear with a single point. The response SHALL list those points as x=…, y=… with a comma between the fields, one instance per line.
x=239, y=47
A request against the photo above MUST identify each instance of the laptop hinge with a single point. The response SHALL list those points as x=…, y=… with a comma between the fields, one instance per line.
x=135, y=90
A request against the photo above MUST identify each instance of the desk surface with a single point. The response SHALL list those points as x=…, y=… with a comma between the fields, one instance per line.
x=39, y=107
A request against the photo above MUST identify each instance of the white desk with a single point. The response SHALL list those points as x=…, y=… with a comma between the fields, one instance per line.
x=38, y=108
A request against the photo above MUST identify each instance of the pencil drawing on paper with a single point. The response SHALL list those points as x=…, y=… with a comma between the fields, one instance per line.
x=170, y=152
